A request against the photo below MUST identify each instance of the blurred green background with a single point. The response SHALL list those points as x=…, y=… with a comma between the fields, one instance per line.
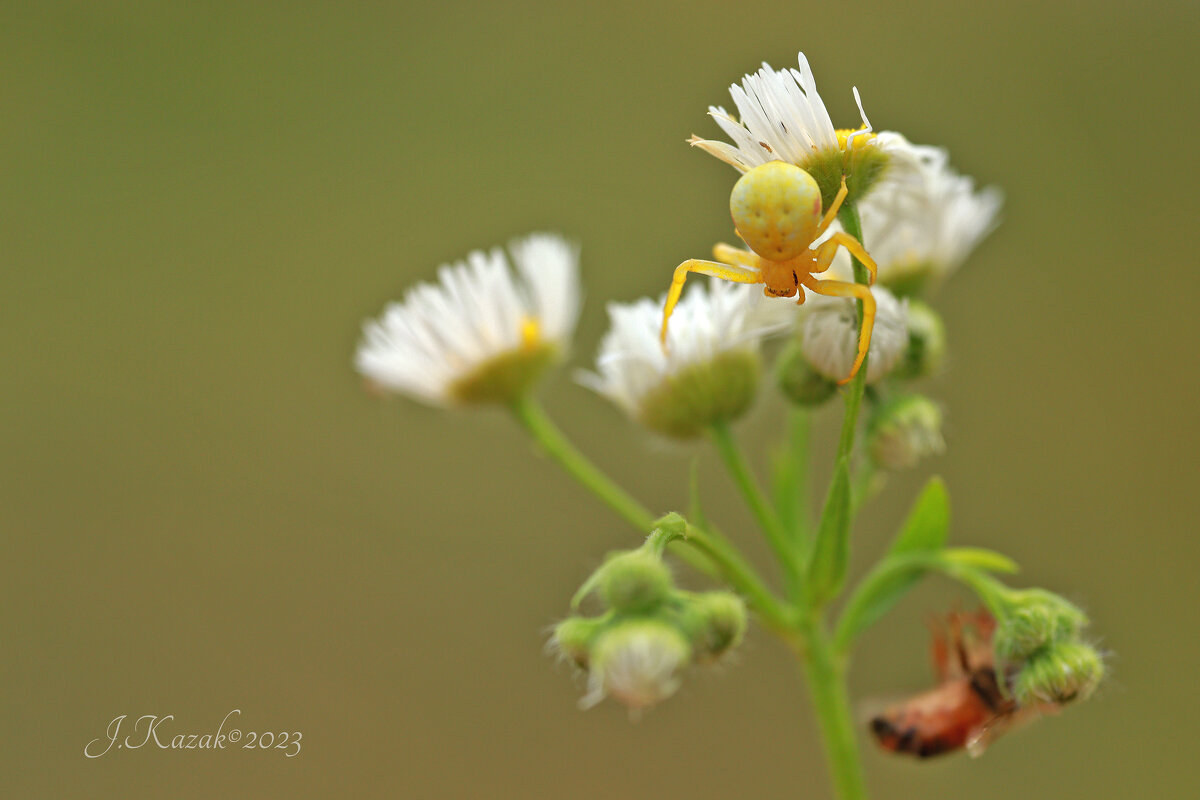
x=203, y=510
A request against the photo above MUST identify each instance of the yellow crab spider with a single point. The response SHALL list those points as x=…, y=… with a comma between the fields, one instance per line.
x=776, y=210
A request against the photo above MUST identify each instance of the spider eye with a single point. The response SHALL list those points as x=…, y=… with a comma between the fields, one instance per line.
x=776, y=208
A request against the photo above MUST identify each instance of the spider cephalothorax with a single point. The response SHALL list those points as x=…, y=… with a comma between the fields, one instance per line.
x=776, y=210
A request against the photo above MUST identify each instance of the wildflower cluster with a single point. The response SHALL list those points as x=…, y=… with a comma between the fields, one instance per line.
x=649, y=630
x=849, y=233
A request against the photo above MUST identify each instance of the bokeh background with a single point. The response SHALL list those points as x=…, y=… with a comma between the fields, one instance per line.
x=202, y=510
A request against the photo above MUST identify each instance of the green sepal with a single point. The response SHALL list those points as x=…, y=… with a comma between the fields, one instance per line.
x=831, y=551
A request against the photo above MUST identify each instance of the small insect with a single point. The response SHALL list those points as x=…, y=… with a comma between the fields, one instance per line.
x=969, y=708
x=776, y=210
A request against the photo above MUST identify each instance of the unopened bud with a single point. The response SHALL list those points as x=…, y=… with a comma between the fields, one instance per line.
x=574, y=637
x=1060, y=673
x=1035, y=619
x=634, y=582
x=926, y=351
x=715, y=622
x=637, y=663
x=905, y=430
x=799, y=380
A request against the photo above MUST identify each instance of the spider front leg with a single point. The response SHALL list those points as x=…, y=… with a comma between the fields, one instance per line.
x=827, y=249
x=834, y=208
x=856, y=290
x=736, y=274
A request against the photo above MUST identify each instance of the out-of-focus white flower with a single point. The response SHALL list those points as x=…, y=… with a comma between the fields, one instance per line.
x=482, y=334
x=637, y=663
x=830, y=331
x=708, y=371
x=919, y=230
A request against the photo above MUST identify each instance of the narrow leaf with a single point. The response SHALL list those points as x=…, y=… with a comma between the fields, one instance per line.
x=924, y=531
x=891, y=578
x=831, y=553
x=979, y=558
x=928, y=523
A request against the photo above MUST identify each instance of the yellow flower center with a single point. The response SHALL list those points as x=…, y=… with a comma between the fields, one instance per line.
x=531, y=333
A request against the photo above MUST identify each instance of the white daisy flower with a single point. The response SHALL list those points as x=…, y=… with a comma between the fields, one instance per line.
x=922, y=230
x=482, y=333
x=829, y=334
x=708, y=371
x=637, y=664
x=782, y=118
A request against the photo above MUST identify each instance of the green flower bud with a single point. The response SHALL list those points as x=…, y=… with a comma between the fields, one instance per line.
x=926, y=351
x=1035, y=619
x=905, y=430
x=505, y=377
x=1060, y=673
x=634, y=582
x=798, y=380
x=688, y=402
x=637, y=662
x=715, y=622
x=574, y=637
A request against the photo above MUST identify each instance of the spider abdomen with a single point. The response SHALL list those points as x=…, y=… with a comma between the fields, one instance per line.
x=776, y=209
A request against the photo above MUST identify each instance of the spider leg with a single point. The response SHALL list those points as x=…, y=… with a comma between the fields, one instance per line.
x=734, y=273
x=827, y=249
x=940, y=651
x=734, y=256
x=843, y=289
x=834, y=207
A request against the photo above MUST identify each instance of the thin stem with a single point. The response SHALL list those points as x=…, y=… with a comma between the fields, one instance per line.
x=530, y=414
x=776, y=535
x=848, y=216
x=743, y=578
x=867, y=483
x=825, y=673
x=791, y=478
x=704, y=550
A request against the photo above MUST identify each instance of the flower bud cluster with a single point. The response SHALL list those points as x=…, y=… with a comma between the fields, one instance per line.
x=1039, y=633
x=649, y=631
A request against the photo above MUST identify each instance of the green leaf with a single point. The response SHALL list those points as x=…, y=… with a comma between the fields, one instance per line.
x=831, y=554
x=928, y=523
x=979, y=558
x=925, y=531
x=884, y=585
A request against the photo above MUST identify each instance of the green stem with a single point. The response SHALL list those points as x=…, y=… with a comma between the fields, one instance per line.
x=848, y=216
x=743, y=578
x=791, y=478
x=825, y=673
x=530, y=414
x=705, y=550
x=867, y=483
x=776, y=535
